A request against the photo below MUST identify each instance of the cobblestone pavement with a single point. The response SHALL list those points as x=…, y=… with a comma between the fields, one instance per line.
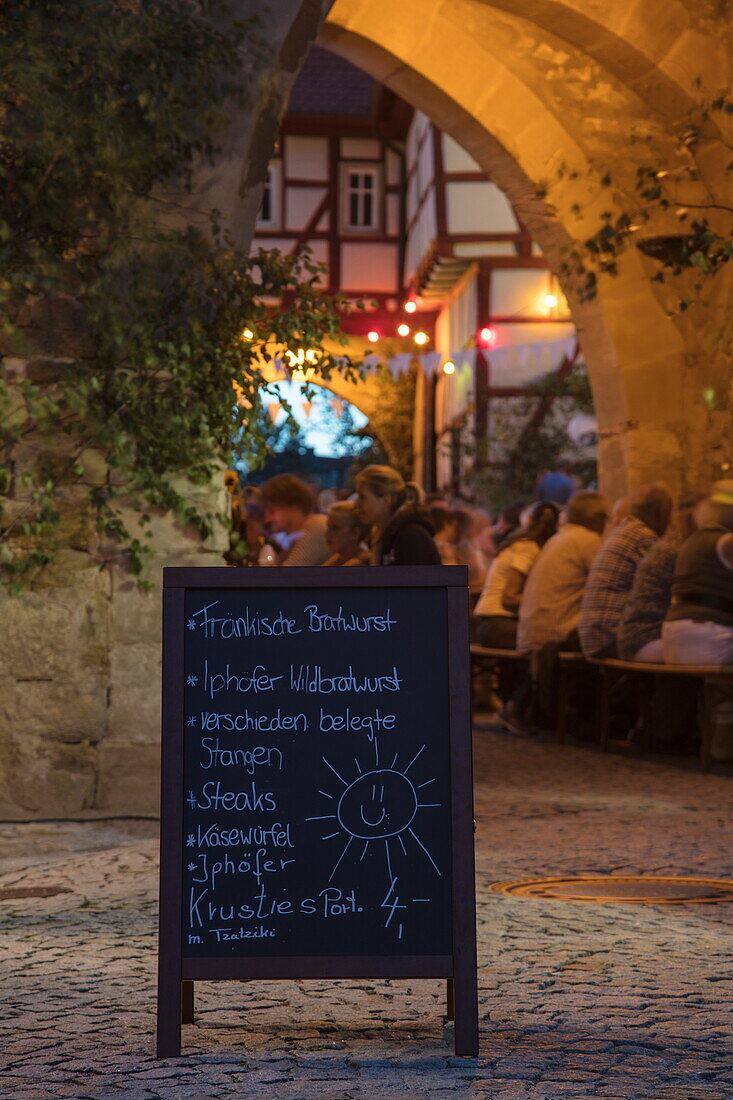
x=576, y=1000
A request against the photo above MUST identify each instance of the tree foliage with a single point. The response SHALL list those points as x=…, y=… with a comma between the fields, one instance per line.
x=509, y=471
x=391, y=420
x=108, y=106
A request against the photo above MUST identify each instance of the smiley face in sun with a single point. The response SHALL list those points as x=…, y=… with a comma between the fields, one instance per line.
x=378, y=806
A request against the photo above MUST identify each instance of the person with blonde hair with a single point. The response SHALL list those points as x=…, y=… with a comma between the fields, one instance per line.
x=550, y=606
x=345, y=533
x=497, y=611
x=401, y=533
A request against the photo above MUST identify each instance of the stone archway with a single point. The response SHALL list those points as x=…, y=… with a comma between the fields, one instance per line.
x=386, y=401
x=363, y=394
x=546, y=94
x=502, y=103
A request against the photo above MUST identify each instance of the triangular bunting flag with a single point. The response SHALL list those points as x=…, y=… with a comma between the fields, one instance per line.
x=431, y=361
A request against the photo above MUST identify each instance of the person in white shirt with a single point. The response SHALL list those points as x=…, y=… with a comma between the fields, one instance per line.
x=550, y=611
x=497, y=610
x=550, y=606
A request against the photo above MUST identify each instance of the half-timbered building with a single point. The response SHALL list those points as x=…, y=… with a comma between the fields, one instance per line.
x=402, y=218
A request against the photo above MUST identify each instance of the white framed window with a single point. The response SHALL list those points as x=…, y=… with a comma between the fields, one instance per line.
x=361, y=190
x=269, y=215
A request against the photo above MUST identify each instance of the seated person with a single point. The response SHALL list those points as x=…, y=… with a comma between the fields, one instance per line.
x=401, y=533
x=443, y=520
x=507, y=526
x=456, y=546
x=698, y=629
x=288, y=504
x=556, y=485
x=344, y=535
x=497, y=610
x=639, y=635
x=498, y=607
x=550, y=609
x=467, y=549
x=612, y=573
x=550, y=606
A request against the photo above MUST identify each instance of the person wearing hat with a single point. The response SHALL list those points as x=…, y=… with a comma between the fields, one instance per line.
x=698, y=629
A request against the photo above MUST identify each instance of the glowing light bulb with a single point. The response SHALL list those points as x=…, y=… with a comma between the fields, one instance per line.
x=410, y=306
x=449, y=367
x=550, y=300
x=487, y=335
x=421, y=337
x=372, y=336
x=403, y=330
x=248, y=334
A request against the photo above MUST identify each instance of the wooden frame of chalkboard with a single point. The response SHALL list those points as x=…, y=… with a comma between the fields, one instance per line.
x=177, y=972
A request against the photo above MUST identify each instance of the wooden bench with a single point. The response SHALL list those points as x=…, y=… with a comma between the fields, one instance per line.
x=487, y=659
x=568, y=661
x=715, y=678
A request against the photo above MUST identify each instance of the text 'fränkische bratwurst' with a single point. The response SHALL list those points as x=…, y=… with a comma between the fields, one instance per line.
x=314, y=620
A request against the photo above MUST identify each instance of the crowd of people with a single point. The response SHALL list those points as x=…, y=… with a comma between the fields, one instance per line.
x=648, y=579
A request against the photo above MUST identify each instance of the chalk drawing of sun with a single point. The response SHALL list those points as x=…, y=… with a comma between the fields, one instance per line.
x=378, y=807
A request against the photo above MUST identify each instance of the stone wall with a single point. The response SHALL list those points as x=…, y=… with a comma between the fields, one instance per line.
x=80, y=649
x=80, y=683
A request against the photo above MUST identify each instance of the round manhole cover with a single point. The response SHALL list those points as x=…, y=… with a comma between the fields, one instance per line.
x=628, y=889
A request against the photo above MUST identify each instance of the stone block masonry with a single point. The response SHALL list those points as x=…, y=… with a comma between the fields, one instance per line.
x=80, y=683
x=577, y=1001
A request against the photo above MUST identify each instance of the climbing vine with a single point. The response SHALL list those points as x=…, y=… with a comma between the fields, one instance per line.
x=133, y=347
x=697, y=238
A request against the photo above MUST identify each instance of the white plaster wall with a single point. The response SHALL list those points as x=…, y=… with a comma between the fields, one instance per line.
x=421, y=236
x=301, y=204
x=478, y=208
x=485, y=248
x=306, y=157
x=455, y=157
x=456, y=328
x=519, y=292
x=517, y=333
x=355, y=148
x=369, y=267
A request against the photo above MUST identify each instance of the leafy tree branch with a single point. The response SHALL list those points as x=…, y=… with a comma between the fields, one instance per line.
x=107, y=107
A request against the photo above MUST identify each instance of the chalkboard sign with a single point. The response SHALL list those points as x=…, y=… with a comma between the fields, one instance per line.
x=317, y=804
